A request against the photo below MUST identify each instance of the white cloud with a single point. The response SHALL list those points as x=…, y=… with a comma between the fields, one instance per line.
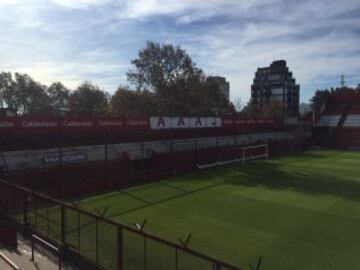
x=73, y=40
x=237, y=52
x=8, y=2
x=80, y=4
x=188, y=10
x=73, y=73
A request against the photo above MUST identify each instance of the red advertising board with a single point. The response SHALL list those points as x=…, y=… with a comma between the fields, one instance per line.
x=228, y=122
x=137, y=124
x=38, y=125
x=78, y=125
x=110, y=124
x=8, y=125
x=261, y=121
x=252, y=122
x=240, y=122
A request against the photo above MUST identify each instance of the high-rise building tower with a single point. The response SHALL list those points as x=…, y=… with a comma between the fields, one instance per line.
x=276, y=84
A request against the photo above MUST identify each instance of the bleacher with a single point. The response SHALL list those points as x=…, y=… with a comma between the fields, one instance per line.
x=341, y=121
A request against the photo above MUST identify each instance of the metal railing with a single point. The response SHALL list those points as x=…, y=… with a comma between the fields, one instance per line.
x=103, y=242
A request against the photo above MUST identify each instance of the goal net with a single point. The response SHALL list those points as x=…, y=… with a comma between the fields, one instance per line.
x=245, y=153
x=252, y=152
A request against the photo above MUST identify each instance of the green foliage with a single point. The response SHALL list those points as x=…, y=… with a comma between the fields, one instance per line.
x=23, y=94
x=319, y=99
x=6, y=88
x=58, y=94
x=135, y=103
x=88, y=99
x=158, y=67
x=305, y=110
x=272, y=109
x=167, y=82
x=320, y=96
x=180, y=87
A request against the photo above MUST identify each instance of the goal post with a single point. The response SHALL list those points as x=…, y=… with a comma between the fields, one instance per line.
x=245, y=153
x=255, y=152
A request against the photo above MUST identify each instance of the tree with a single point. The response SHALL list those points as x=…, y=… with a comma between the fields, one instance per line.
x=251, y=110
x=180, y=87
x=273, y=109
x=319, y=99
x=133, y=103
x=59, y=95
x=238, y=105
x=305, y=110
x=24, y=95
x=88, y=99
x=6, y=87
x=160, y=66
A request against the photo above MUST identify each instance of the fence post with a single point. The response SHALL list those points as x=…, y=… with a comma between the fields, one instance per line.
x=61, y=168
x=106, y=163
x=47, y=220
x=97, y=240
x=62, y=220
x=176, y=258
x=145, y=260
x=172, y=153
x=25, y=209
x=142, y=149
x=120, y=248
x=78, y=230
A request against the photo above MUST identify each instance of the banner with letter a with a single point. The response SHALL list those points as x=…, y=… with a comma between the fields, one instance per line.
x=184, y=122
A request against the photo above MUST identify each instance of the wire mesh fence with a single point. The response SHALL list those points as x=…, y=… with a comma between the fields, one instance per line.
x=105, y=243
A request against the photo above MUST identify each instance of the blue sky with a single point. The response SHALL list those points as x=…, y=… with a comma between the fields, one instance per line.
x=76, y=40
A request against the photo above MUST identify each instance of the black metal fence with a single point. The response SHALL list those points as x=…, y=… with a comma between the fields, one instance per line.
x=121, y=164
x=104, y=243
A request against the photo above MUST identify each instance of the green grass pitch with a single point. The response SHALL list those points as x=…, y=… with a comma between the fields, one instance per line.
x=297, y=212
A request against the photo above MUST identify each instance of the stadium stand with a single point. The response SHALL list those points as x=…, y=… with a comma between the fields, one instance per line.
x=339, y=124
x=84, y=155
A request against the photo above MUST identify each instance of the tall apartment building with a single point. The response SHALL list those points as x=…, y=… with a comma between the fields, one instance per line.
x=276, y=83
x=224, y=86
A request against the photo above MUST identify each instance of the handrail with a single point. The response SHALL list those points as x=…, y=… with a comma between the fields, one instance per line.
x=9, y=262
x=121, y=226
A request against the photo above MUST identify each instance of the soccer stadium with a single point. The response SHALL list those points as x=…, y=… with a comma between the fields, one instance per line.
x=179, y=135
x=188, y=192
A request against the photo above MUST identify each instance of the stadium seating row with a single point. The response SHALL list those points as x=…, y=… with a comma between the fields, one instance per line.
x=339, y=124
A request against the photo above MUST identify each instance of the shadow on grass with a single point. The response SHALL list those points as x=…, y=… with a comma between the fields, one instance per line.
x=268, y=174
x=257, y=173
x=272, y=176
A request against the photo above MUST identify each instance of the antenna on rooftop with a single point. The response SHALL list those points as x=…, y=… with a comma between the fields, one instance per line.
x=342, y=81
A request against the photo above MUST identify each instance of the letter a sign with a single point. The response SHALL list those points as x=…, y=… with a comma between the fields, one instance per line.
x=160, y=122
x=198, y=122
x=180, y=122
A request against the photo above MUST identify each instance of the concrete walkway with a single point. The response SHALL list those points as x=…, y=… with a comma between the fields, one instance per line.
x=22, y=258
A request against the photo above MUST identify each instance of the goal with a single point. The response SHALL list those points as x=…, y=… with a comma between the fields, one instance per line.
x=254, y=152
x=247, y=153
